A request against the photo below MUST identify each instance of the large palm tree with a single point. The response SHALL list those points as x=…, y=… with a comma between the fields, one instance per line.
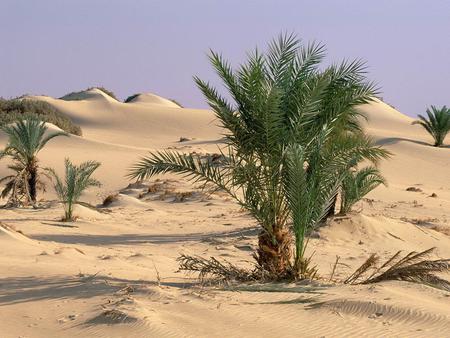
x=437, y=124
x=77, y=180
x=290, y=133
x=25, y=139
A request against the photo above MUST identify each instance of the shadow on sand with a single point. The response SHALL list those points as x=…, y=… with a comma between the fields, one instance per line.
x=395, y=140
x=16, y=290
x=130, y=239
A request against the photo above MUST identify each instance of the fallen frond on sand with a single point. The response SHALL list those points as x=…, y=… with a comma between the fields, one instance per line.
x=413, y=267
x=215, y=270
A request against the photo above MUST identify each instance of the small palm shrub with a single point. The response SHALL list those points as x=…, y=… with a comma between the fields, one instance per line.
x=25, y=139
x=437, y=124
x=77, y=180
x=15, y=109
x=291, y=131
x=358, y=183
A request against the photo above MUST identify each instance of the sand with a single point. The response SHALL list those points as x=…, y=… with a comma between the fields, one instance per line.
x=114, y=273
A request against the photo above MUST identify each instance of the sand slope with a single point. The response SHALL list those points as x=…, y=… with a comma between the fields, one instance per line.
x=114, y=272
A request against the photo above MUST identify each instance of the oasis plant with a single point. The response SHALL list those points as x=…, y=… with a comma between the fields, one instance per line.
x=437, y=123
x=26, y=138
x=77, y=180
x=358, y=183
x=291, y=129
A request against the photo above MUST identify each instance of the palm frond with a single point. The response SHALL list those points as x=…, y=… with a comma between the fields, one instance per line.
x=358, y=183
x=293, y=131
x=77, y=180
x=437, y=123
x=414, y=267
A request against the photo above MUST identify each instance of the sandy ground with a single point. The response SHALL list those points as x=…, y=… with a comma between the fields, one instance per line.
x=114, y=273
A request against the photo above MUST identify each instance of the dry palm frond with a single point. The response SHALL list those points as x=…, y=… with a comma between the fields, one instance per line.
x=214, y=269
x=413, y=267
x=366, y=266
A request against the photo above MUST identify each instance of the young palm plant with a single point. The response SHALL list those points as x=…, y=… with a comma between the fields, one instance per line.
x=289, y=133
x=437, y=124
x=358, y=183
x=25, y=139
x=77, y=180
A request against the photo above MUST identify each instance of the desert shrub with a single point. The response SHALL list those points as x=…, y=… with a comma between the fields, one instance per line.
x=75, y=96
x=131, y=98
x=292, y=132
x=15, y=109
x=182, y=196
x=177, y=103
x=77, y=180
x=107, y=92
x=437, y=123
x=110, y=199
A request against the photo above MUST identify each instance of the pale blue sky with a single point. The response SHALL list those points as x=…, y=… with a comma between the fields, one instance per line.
x=57, y=46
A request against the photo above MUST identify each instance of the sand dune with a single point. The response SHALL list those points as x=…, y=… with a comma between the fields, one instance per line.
x=149, y=121
x=113, y=272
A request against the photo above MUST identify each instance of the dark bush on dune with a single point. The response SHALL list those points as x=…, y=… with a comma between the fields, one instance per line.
x=14, y=109
x=75, y=96
x=131, y=98
x=177, y=103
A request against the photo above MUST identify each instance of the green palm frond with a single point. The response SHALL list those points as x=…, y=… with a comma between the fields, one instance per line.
x=25, y=139
x=191, y=166
x=292, y=130
x=77, y=180
x=437, y=124
x=357, y=184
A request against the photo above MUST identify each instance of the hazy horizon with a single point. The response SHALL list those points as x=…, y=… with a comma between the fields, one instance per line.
x=55, y=47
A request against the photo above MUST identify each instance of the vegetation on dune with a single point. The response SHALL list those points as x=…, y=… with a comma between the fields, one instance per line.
x=107, y=92
x=177, y=103
x=15, y=109
x=358, y=183
x=437, y=124
x=75, y=96
x=131, y=98
x=25, y=139
x=292, y=135
x=77, y=180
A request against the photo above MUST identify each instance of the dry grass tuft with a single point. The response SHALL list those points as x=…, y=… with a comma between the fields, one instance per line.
x=110, y=199
x=183, y=196
x=413, y=267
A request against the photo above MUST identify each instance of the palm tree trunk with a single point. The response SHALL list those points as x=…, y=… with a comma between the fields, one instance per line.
x=32, y=183
x=69, y=212
x=274, y=254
